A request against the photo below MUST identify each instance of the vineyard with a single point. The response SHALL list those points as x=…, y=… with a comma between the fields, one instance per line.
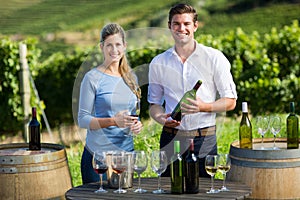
x=261, y=39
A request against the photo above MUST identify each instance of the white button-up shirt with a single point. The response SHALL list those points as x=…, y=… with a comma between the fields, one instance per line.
x=170, y=78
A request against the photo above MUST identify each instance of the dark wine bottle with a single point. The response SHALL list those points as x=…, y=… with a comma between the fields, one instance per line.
x=177, y=185
x=245, y=129
x=34, y=132
x=176, y=114
x=292, y=128
x=191, y=170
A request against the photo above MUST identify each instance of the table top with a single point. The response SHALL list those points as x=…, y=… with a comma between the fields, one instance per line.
x=237, y=191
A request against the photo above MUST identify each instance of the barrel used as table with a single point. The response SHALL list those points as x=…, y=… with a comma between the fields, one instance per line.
x=28, y=174
x=271, y=174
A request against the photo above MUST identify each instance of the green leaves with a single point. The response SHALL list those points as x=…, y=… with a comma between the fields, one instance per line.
x=265, y=68
x=10, y=97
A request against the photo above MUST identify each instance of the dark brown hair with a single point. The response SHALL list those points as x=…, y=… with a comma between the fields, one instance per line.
x=182, y=9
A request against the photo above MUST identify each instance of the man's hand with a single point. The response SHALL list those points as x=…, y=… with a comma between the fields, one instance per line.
x=192, y=107
x=157, y=112
x=171, y=122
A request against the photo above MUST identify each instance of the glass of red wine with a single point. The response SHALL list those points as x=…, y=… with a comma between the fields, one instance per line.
x=134, y=113
x=119, y=165
x=100, y=166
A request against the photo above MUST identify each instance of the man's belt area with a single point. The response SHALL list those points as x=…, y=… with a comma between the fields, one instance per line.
x=191, y=133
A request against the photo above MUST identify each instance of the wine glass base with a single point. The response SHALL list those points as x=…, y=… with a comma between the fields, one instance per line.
x=224, y=189
x=140, y=190
x=120, y=191
x=159, y=191
x=101, y=191
x=213, y=191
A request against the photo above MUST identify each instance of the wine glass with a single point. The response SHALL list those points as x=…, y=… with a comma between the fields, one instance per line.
x=159, y=165
x=119, y=165
x=224, y=163
x=275, y=124
x=134, y=112
x=100, y=166
x=139, y=166
x=262, y=127
x=211, y=168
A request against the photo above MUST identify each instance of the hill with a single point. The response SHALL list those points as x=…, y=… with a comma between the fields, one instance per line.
x=60, y=25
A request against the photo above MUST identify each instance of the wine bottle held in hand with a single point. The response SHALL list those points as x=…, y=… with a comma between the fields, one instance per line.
x=34, y=132
x=245, y=129
x=177, y=185
x=176, y=114
x=191, y=174
x=292, y=128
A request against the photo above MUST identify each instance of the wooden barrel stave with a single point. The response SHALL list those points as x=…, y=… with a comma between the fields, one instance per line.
x=272, y=174
x=43, y=175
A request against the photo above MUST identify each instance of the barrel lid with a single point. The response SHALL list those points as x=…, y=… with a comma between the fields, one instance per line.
x=18, y=153
x=265, y=158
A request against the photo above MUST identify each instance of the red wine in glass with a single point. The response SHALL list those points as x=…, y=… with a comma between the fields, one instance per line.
x=101, y=170
x=118, y=170
x=100, y=167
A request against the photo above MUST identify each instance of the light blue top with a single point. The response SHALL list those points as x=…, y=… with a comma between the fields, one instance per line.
x=103, y=95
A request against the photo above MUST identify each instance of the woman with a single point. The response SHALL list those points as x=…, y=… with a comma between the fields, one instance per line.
x=108, y=92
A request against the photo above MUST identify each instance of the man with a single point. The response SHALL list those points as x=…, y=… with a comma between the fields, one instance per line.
x=174, y=72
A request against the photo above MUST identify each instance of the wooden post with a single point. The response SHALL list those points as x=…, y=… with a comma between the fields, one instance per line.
x=25, y=88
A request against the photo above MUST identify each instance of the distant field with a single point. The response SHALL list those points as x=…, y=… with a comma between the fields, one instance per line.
x=61, y=25
x=260, y=19
x=39, y=17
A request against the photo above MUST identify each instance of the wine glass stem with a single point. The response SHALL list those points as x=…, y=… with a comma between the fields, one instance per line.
x=101, y=188
x=224, y=180
x=212, y=182
x=274, y=141
x=159, y=186
x=139, y=187
x=119, y=182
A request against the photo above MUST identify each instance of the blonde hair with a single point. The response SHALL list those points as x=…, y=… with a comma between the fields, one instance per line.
x=124, y=68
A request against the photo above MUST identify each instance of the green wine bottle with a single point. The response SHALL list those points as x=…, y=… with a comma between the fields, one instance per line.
x=245, y=129
x=177, y=186
x=176, y=114
x=292, y=128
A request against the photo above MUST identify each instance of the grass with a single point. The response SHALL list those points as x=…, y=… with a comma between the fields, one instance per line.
x=148, y=140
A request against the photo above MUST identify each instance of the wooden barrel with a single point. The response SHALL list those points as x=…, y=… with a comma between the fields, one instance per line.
x=30, y=175
x=271, y=174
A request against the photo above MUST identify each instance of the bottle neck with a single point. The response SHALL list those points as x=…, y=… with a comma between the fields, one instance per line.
x=34, y=112
x=197, y=85
x=245, y=107
x=176, y=147
x=191, y=148
x=292, y=108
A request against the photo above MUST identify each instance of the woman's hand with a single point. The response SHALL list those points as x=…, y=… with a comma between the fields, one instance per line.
x=136, y=127
x=122, y=119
